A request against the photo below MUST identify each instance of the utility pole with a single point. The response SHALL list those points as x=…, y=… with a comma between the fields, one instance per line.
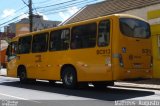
x=30, y=15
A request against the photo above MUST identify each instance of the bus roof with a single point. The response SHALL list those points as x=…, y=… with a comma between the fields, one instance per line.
x=73, y=24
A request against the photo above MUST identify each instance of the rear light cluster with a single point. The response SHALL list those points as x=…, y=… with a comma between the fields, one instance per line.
x=108, y=61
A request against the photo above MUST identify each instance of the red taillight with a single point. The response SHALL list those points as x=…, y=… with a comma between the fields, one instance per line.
x=121, y=60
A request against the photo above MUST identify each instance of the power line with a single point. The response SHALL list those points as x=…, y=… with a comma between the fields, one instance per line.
x=69, y=3
x=25, y=2
x=14, y=12
x=54, y=10
x=42, y=2
x=56, y=4
x=82, y=3
x=30, y=15
x=20, y=9
x=63, y=8
x=11, y=20
x=37, y=13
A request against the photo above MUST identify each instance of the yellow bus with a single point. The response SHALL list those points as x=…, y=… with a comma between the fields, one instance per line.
x=98, y=51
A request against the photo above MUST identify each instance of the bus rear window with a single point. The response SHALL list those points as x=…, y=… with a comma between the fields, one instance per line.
x=134, y=28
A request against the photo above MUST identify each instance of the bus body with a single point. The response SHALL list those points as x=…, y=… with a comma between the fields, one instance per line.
x=104, y=49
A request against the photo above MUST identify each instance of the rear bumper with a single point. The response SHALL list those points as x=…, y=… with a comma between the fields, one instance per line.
x=134, y=74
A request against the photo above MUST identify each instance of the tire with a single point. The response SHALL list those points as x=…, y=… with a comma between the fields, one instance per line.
x=69, y=77
x=22, y=75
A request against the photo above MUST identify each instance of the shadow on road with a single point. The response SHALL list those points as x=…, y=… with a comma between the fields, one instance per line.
x=109, y=94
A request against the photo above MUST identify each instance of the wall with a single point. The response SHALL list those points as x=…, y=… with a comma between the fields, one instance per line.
x=143, y=12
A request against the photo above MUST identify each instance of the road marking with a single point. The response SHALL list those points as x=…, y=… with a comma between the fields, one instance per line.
x=19, y=98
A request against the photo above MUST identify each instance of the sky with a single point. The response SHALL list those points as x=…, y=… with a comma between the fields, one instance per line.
x=55, y=10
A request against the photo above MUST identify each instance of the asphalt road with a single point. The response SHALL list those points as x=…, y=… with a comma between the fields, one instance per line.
x=41, y=93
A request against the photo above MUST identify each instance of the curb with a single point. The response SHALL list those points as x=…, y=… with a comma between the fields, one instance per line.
x=133, y=85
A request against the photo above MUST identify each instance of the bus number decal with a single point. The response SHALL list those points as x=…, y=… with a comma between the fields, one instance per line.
x=103, y=52
x=38, y=58
x=146, y=51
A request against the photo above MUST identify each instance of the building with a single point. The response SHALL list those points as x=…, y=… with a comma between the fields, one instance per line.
x=139, y=8
x=154, y=17
x=23, y=25
x=146, y=9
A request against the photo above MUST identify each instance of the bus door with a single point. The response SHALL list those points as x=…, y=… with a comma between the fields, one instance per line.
x=39, y=51
x=104, y=47
x=40, y=65
x=11, y=59
x=135, y=44
x=25, y=55
x=94, y=62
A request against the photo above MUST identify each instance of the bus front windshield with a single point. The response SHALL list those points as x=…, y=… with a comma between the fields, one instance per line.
x=134, y=28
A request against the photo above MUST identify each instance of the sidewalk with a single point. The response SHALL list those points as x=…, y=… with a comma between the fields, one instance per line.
x=145, y=84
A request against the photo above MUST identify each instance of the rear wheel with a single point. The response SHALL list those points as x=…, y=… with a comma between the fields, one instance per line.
x=69, y=77
x=22, y=75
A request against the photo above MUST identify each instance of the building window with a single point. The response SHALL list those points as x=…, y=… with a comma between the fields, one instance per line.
x=84, y=36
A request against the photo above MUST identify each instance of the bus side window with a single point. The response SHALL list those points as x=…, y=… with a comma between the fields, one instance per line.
x=83, y=36
x=104, y=33
x=24, y=44
x=39, y=43
x=59, y=40
x=12, y=51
